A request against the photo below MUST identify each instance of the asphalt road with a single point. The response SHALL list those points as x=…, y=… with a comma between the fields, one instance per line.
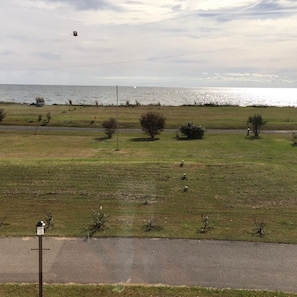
x=217, y=264
x=78, y=129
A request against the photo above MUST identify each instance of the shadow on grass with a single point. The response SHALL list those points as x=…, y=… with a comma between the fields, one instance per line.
x=187, y=139
x=102, y=138
x=142, y=139
x=253, y=137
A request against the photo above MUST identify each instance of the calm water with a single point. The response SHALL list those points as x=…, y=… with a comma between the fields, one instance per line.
x=148, y=95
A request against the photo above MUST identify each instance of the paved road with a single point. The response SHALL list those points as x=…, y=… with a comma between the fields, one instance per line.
x=217, y=264
x=71, y=129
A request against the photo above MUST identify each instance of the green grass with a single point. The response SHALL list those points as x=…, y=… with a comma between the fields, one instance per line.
x=11, y=290
x=223, y=117
x=231, y=178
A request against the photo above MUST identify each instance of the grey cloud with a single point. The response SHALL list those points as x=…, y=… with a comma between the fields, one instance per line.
x=89, y=4
x=176, y=7
x=48, y=56
x=135, y=2
x=267, y=8
x=23, y=38
x=263, y=9
x=7, y=53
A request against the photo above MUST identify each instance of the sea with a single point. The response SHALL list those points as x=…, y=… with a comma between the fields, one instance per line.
x=165, y=96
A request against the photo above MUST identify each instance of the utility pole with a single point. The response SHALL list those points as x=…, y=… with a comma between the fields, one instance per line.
x=117, y=92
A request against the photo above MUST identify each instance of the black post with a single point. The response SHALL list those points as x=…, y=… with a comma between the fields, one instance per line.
x=40, y=265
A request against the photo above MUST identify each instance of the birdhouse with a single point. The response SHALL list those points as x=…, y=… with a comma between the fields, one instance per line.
x=40, y=228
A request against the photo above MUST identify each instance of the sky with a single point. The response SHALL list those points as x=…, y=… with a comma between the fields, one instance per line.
x=174, y=43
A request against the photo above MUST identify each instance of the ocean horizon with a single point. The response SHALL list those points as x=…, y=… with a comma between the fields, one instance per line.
x=165, y=96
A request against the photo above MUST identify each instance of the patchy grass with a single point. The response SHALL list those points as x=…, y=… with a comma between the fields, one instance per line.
x=12, y=290
x=219, y=117
x=231, y=178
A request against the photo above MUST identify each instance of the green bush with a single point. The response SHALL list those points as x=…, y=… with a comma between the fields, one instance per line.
x=110, y=127
x=192, y=131
x=256, y=121
x=152, y=123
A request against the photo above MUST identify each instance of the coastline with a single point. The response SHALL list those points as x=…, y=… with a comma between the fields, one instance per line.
x=165, y=96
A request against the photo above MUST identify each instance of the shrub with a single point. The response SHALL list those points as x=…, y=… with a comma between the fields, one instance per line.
x=99, y=219
x=152, y=123
x=205, y=227
x=256, y=121
x=2, y=115
x=110, y=127
x=39, y=101
x=192, y=131
x=259, y=230
x=151, y=226
x=38, y=121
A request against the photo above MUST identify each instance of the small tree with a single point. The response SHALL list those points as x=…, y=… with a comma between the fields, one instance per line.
x=150, y=225
x=256, y=121
x=2, y=115
x=110, y=127
x=38, y=122
x=99, y=219
x=152, y=123
x=205, y=226
x=259, y=230
x=192, y=131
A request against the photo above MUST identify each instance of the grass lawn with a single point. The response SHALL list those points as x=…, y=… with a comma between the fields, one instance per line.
x=220, y=117
x=233, y=179
x=131, y=291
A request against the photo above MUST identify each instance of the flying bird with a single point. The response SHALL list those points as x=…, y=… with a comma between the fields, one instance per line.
x=75, y=33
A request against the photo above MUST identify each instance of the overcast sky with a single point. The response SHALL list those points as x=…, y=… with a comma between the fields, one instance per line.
x=184, y=43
